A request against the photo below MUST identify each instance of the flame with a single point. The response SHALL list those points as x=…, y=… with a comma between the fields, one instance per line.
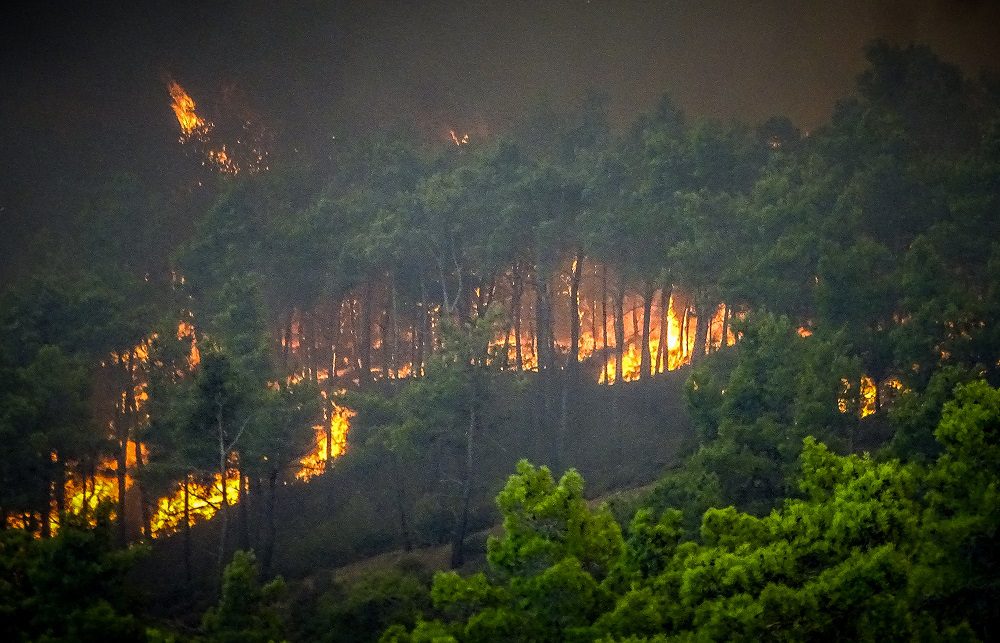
x=192, y=125
x=463, y=140
x=867, y=395
x=194, y=129
x=204, y=501
x=314, y=463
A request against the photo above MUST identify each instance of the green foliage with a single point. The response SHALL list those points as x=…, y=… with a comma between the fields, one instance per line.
x=247, y=610
x=872, y=550
x=67, y=588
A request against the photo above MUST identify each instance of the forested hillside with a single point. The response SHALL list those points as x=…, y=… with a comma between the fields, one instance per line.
x=794, y=335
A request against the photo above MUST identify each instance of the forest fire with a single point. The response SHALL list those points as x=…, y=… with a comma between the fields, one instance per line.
x=458, y=140
x=244, y=151
x=316, y=461
x=193, y=500
x=192, y=125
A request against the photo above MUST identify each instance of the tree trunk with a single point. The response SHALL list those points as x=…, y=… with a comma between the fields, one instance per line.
x=574, y=315
x=517, y=290
x=725, y=326
x=685, y=332
x=224, y=509
x=619, y=330
x=143, y=502
x=60, y=487
x=268, y=554
x=393, y=327
x=241, y=503
x=604, y=322
x=365, y=339
x=404, y=523
x=662, y=356
x=700, y=331
x=425, y=328
x=646, y=361
x=187, y=528
x=121, y=461
x=458, y=538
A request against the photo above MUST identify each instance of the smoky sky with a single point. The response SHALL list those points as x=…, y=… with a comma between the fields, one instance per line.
x=85, y=82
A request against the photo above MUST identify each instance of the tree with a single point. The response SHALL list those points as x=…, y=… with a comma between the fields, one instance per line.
x=247, y=610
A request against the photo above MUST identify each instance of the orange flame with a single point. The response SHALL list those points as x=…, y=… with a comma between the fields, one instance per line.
x=315, y=462
x=192, y=125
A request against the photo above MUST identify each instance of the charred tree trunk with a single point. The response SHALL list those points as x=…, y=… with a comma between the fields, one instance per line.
x=646, y=361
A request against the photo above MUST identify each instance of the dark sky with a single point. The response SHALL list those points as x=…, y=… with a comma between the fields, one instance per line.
x=85, y=94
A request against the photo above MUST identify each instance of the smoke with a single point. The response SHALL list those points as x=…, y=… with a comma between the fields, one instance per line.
x=85, y=95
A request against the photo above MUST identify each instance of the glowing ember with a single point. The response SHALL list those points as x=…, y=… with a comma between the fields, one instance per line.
x=463, y=140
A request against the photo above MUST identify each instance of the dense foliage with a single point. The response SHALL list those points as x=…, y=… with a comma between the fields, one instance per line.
x=843, y=477
x=870, y=550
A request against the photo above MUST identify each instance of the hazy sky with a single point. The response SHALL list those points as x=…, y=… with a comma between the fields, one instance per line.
x=85, y=89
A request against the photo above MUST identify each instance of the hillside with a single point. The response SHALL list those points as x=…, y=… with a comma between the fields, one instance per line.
x=619, y=438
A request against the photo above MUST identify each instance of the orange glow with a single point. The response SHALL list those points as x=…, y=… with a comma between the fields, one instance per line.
x=457, y=140
x=204, y=501
x=867, y=395
x=314, y=463
x=192, y=125
x=185, y=330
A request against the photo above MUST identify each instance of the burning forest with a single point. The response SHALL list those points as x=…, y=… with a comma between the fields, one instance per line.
x=300, y=344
